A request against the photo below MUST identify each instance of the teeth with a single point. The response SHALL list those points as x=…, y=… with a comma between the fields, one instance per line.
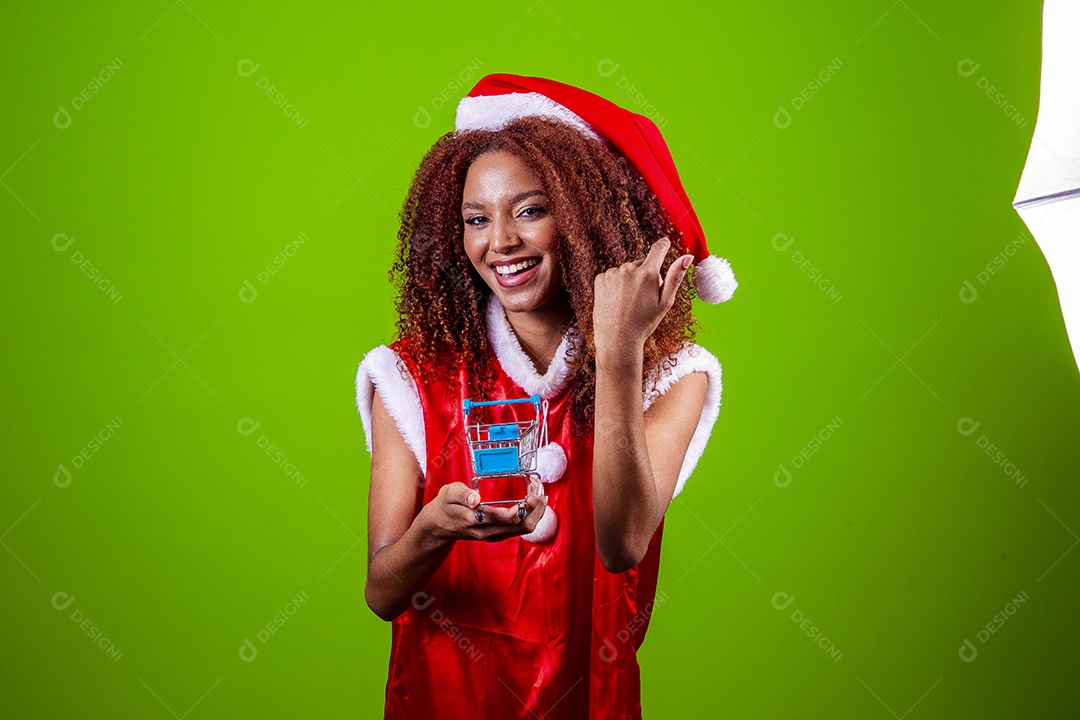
x=505, y=270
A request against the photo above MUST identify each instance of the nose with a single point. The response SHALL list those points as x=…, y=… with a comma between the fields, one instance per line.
x=504, y=235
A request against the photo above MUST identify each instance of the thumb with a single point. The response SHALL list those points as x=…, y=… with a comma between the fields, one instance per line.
x=462, y=494
x=674, y=279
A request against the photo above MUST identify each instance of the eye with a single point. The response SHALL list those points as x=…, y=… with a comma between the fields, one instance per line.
x=475, y=220
x=533, y=211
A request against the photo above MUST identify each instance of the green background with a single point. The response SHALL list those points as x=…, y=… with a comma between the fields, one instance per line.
x=180, y=180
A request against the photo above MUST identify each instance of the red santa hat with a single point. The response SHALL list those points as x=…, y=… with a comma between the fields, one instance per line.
x=497, y=99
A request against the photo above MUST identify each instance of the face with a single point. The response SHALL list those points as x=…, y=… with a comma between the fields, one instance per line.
x=510, y=234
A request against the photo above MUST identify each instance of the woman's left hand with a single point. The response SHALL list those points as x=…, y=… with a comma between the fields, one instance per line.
x=630, y=300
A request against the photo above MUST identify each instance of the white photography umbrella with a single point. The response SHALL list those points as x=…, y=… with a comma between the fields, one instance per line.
x=1048, y=198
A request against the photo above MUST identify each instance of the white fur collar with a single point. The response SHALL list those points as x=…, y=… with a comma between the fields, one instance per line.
x=517, y=364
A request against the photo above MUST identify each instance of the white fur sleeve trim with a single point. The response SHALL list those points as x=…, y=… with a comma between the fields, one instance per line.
x=382, y=370
x=693, y=358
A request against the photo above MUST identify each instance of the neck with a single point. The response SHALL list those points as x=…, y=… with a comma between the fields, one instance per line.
x=540, y=331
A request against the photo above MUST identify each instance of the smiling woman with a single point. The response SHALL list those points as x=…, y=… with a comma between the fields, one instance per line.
x=542, y=253
x=511, y=239
x=507, y=222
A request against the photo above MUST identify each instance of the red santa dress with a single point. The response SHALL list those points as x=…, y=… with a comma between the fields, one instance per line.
x=519, y=629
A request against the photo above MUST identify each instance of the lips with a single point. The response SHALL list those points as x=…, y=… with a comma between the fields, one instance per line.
x=505, y=270
x=515, y=272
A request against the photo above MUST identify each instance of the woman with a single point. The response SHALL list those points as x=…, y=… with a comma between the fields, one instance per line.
x=536, y=256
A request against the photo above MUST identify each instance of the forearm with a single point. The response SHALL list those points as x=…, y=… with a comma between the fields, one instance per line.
x=625, y=505
x=397, y=571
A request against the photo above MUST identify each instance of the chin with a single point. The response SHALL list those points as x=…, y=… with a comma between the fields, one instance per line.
x=539, y=293
x=517, y=302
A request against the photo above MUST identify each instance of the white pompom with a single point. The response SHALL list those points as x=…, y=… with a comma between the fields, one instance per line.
x=550, y=462
x=545, y=529
x=714, y=280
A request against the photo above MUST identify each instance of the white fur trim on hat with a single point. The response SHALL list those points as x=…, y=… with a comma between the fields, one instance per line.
x=382, y=370
x=517, y=364
x=714, y=280
x=692, y=358
x=492, y=112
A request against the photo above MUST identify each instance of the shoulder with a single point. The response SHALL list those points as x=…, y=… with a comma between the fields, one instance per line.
x=384, y=369
x=691, y=358
x=384, y=364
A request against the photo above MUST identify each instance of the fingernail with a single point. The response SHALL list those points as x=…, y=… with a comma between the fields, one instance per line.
x=687, y=261
x=473, y=498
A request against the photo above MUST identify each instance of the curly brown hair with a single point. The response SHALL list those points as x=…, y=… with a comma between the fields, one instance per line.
x=605, y=214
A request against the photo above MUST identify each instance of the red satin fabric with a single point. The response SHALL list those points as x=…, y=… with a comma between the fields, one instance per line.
x=513, y=629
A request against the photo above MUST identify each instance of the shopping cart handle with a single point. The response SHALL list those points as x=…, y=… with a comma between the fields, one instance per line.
x=467, y=405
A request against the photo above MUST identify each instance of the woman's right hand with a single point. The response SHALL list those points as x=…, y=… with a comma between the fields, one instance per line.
x=456, y=514
x=406, y=548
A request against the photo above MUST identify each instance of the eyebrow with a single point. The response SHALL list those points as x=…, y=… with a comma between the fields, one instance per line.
x=514, y=200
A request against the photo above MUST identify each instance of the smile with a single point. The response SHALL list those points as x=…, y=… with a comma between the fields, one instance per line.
x=508, y=270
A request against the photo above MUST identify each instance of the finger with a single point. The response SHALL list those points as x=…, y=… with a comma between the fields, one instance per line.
x=493, y=530
x=535, y=498
x=537, y=495
x=536, y=488
x=656, y=255
x=461, y=494
x=674, y=279
x=532, y=519
x=496, y=515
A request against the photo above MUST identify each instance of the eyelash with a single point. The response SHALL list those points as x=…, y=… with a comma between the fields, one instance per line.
x=540, y=211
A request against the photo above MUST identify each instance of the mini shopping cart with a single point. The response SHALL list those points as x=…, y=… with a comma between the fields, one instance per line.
x=508, y=449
